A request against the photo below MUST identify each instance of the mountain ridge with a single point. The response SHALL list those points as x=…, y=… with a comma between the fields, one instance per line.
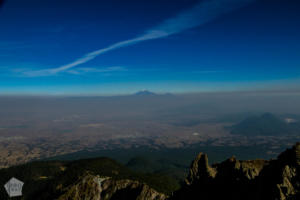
x=251, y=179
x=104, y=178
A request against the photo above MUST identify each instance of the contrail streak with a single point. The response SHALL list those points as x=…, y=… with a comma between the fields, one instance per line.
x=202, y=13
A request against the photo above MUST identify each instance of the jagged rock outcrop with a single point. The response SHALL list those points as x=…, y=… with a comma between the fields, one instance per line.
x=92, y=187
x=200, y=169
x=254, y=179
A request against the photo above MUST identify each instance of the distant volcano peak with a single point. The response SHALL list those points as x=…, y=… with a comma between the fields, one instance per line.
x=145, y=93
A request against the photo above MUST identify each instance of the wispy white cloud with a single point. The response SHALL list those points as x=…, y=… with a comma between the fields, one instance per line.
x=87, y=70
x=31, y=72
x=202, y=13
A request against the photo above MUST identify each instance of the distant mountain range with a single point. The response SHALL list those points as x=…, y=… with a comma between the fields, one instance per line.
x=265, y=125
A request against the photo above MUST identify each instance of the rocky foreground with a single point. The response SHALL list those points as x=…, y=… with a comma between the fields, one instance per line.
x=231, y=179
x=104, y=179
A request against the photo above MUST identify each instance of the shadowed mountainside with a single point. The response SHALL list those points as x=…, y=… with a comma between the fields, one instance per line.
x=265, y=125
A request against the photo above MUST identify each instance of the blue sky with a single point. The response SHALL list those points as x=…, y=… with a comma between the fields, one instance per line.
x=116, y=47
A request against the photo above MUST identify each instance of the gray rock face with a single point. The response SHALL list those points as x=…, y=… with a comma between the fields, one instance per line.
x=289, y=169
x=200, y=169
x=92, y=187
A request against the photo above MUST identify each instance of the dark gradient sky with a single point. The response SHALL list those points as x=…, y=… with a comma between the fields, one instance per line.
x=256, y=46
